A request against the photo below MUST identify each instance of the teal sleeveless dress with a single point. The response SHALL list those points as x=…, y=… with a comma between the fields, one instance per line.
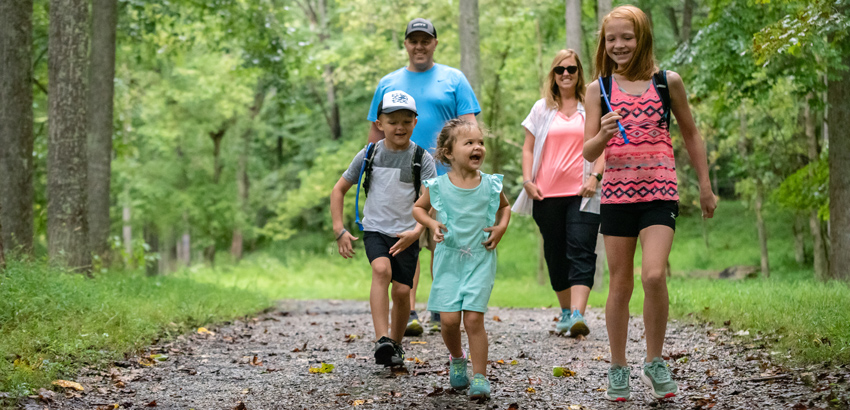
x=464, y=270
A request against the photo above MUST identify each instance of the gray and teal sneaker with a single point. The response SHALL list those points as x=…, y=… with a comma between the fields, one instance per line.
x=480, y=388
x=457, y=372
x=384, y=351
x=414, y=328
x=657, y=376
x=578, y=326
x=618, y=383
x=435, y=322
x=565, y=323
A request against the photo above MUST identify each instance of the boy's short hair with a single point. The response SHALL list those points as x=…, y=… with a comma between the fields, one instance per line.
x=395, y=101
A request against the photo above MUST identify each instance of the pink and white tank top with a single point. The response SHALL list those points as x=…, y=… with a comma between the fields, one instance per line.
x=643, y=170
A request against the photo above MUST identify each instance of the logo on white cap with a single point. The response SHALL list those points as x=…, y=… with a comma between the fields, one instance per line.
x=397, y=100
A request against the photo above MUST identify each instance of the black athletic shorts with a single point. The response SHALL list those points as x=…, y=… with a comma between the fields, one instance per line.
x=629, y=219
x=403, y=265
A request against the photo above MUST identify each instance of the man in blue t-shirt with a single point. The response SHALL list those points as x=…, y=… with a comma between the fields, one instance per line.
x=441, y=93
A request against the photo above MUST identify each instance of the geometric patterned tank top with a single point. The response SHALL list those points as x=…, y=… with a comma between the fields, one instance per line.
x=644, y=169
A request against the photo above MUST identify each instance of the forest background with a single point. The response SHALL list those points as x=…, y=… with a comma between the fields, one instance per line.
x=216, y=130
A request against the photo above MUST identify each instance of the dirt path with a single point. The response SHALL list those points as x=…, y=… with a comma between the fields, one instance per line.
x=714, y=368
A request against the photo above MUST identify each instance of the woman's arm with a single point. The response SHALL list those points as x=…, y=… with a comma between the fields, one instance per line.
x=598, y=129
x=527, y=166
x=693, y=141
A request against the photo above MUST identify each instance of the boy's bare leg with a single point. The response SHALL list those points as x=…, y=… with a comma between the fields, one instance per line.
x=400, y=311
x=415, y=284
x=451, y=332
x=473, y=322
x=378, y=299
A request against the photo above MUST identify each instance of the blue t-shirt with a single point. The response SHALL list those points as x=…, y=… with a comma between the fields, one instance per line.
x=441, y=93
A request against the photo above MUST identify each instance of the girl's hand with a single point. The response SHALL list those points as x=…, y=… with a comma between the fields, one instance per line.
x=533, y=191
x=438, y=230
x=708, y=203
x=406, y=239
x=609, y=128
x=496, y=233
x=588, y=188
x=344, y=243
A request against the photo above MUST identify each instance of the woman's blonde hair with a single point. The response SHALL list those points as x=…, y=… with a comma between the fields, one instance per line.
x=642, y=65
x=551, y=92
x=448, y=136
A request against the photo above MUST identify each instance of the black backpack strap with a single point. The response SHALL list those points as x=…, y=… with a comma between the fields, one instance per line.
x=606, y=82
x=416, y=167
x=659, y=79
x=367, y=173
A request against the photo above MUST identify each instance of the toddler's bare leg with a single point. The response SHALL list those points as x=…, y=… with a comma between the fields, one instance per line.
x=473, y=322
x=451, y=332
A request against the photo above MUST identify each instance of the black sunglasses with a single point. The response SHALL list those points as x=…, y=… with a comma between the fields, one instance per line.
x=570, y=69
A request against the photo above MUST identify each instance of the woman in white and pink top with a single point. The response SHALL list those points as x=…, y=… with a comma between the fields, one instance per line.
x=560, y=189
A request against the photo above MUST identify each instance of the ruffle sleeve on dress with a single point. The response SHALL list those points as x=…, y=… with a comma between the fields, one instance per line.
x=433, y=186
x=495, y=197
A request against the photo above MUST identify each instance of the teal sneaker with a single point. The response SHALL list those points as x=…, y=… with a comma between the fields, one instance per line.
x=579, y=326
x=618, y=383
x=480, y=388
x=657, y=376
x=565, y=323
x=457, y=372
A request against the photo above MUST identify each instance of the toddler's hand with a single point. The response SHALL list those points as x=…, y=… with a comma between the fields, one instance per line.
x=405, y=239
x=438, y=229
x=496, y=233
x=345, y=247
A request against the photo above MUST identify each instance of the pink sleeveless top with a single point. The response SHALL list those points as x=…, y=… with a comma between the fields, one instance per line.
x=643, y=170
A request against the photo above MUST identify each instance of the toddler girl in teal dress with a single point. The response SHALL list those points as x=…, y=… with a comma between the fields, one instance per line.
x=472, y=215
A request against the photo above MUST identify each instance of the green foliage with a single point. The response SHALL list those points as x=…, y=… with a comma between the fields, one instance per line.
x=807, y=189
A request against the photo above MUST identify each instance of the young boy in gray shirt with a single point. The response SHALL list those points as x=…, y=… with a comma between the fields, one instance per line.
x=389, y=229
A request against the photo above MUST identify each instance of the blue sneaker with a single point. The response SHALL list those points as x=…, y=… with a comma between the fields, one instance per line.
x=565, y=323
x=657, y=376
x=480, y=388
x=578, y=326
x=457, y=372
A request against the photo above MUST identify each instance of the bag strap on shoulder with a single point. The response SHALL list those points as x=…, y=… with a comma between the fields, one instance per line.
x=367, y=167
x=416, y=167
x=659, y=79
x=367, y=163
x=606, y=83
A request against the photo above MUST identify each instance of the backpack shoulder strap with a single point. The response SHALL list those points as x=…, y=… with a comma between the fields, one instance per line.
x=606, y=83
x=659, y=79
x=417, y=170
x=367, y=166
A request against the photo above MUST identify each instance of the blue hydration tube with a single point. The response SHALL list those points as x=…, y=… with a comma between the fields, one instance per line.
x=369, y=148
x=605, y=97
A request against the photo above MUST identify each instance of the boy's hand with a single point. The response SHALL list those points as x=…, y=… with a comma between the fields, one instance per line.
x=496, y=233
x=405, y=239
x=344, y=243
x=438, y=230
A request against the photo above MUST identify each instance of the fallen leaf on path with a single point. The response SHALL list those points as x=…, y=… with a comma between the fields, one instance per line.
x=255, y=361
x=151, y=404
x=513, y=406
x=342, y=394
x=358, y=402
x=418, y=342
x=500, y=361
x=531, y=390
x=497, y=319
x=204, y=331
x=559, y=371
x=324, y=368
x=68, y=384
x=351, y=356
x=240, y=406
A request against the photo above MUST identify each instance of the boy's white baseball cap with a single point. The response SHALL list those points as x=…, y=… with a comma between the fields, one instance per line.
x=397, y=100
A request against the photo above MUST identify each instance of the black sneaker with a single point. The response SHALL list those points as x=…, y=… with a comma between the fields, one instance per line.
x=398, y=355
x=384, y=351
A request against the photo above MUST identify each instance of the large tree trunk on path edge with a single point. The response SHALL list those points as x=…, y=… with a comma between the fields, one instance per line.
x=762, y=229
x=243, y=182
x=839, y=178
x=100, y=106
x=819, y=250
x=16, y=119
x=67, y=184
x=470, y=50
x=573, y=25
x=2, y=252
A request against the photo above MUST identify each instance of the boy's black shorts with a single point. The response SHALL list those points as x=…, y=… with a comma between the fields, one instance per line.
x=629, y=219
x=403, y=265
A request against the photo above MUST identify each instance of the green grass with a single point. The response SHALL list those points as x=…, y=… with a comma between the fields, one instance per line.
x=52, y=322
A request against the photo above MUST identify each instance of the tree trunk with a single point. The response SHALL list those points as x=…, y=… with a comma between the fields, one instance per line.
x=495, y=107
x=799, y=239
x=603, y=7
x=67, y=183
x=16, y=119
x=333, y=106
x=101, y=94
x=151, y=234
x=470, y=52
x=317, y=14
x=541, y=71
x=184, y=246
x=2, y=252
x=670, y=11
x=762, y=229
x=127, y=231
x=687, y=21
x=819, y=250
x=243, y=183
x=573, y=24
x=216, y=138
x=839, y=178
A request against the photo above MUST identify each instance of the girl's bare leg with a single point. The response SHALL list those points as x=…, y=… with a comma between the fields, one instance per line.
x=621, y=255
x=473, y=322
x=451, y=332
x=655, y=242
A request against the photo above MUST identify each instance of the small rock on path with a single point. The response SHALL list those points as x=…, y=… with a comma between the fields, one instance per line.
x=264, y=362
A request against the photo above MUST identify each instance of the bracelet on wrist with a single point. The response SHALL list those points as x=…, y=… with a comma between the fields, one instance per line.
x=525, y=182
x=341, y=233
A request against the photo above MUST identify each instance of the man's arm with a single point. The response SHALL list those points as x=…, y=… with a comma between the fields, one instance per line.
x=470, y=118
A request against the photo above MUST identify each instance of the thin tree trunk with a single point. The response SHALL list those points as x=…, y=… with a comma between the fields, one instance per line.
x=541, y=72
x=819, y=250
x=762, y=229
x=573, y=25
x=166, y=247
x=470, y=52
x=336, y=127
x=216, y=138
x=603, y=7
x=67, y=183
x=151, y=235
x=687, y=20
x=670, y=11
x=127, y=230
x=839, y=178
x=799, y=239
x=100, y=105
x=495, y=107
x=2, y=251
x=243, y=183
x=184, y=247
x=16, y=119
